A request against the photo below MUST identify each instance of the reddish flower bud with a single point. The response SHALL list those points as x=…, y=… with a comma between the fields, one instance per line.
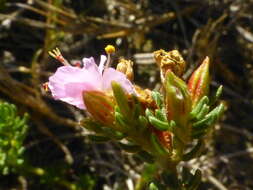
x=100, y=106
x=177, y=99
x=178, y=105
x=198, y=85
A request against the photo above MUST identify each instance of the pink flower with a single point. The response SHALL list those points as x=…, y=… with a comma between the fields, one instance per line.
x=69, y=83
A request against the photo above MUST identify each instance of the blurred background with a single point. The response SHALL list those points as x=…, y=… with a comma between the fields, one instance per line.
x=58, y=155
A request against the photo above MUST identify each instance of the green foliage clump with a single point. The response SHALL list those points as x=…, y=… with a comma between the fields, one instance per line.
x=13, y=130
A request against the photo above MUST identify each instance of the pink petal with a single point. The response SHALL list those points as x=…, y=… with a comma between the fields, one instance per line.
x=90, y=65
x=68, y=84
x=111, y=74
x=74, y=93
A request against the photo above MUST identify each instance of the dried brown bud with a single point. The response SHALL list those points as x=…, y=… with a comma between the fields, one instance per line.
x=126, y=67
x=145, y=97
x=171, y=60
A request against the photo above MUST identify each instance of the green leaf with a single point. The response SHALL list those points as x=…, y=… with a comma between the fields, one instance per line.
x=143, y=122
x=130, y=148
x=137, y=109
x=158, y=98
x=160, y=114
x=217, y=95
x=109, y=132
x=145, y=156
x=121, y=120
x=156, y=144
x=197, y=108
x=91, y=125
x=204, y=123
x=202, y=112
x=121, y=99
x=158, y=124
x=148, y=113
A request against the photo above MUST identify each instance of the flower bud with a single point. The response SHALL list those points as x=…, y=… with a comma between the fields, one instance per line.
x=178, y=106
x=198, y=84
x=126, y=67
x=171, y=60
x=177, y=99
x=100, y=106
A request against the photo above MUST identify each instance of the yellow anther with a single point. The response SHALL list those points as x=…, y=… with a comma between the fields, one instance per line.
x=110, y=49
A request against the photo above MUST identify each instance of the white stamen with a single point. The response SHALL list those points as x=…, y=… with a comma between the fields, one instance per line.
x=108, y=61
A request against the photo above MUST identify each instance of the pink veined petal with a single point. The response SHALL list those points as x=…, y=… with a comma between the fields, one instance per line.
x=111, y=74
x=66, y=74
x=68, y=83
x=101, y=66
x=74, y=93
x=90, y=64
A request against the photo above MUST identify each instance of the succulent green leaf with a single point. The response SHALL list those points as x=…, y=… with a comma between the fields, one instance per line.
x=217, y=95
x=148, y=113
x=217, y=111
x=143, y=122
x=208, y=121
x=136, y=108
x=109, y=132
x=204, y=100
x=204, y=110
x=120, y=120
x=157, y=145
x=121, y=99
x=158, y=98
x=204, y=123
x=145, y=156
x=158, y=124
x=130, y=148
x=91, y=125
x=161, y=114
